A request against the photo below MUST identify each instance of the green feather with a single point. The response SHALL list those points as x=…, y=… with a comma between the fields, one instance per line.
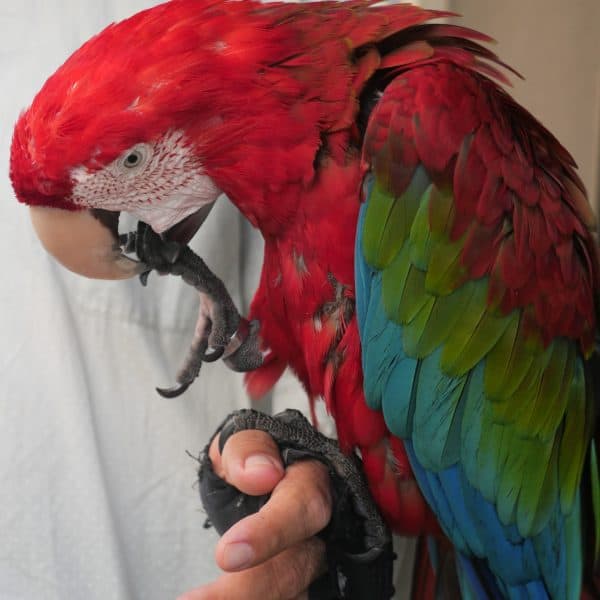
x=413, y=297
x=471, y=427
x=507, y=363
x=414, y=329
x=539, y=487
x=483, y=338
x=381, y=204
x=547, y=495
x=420, y=235
x=512, y=459
x=547, y=404
x=403, y=288
x=474, y=334
x=574, y=440
x=446, y=271
x=554, y=392
x=491, y=455
x=388, y=219
x=441, y=322
x=393, y=282
x=441, y=212
x=527, y=394
x=595, y=485
x=472, y=313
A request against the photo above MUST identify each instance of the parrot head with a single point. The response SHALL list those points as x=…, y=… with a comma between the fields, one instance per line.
x=157, y=116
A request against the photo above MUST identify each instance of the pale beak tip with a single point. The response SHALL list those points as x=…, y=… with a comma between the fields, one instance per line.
x=82, y=243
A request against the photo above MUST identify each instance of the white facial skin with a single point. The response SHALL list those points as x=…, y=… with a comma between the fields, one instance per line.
x=159, y=183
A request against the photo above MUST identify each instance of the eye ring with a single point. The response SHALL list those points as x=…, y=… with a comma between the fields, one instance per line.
x=133, y=159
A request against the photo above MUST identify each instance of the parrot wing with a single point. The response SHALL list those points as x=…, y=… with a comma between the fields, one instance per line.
x=476, y=275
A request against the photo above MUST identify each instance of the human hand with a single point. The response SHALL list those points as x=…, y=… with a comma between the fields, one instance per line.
x=272, y=554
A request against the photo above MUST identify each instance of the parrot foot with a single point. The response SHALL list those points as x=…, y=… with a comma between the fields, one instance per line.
x=359, y=547
x=220, y=331
x=158, y=254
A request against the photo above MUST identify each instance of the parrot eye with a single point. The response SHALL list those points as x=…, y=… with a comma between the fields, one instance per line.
x=135, y=157
x=132, y=159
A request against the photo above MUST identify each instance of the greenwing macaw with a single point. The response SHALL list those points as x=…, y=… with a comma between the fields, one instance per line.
x=430, y=268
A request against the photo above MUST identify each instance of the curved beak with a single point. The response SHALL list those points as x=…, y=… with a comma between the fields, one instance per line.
x=84, y=241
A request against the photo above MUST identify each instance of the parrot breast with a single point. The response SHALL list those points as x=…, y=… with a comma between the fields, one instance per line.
x=306, y=308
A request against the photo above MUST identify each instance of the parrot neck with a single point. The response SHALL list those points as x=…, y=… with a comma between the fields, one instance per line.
x=316, y=178
x=305, y=299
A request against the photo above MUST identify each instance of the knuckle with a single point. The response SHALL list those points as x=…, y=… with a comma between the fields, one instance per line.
x=275, y=533
x=315, y=501
x=317, y=513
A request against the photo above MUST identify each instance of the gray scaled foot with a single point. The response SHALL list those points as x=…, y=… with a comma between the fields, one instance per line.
x=220, y=330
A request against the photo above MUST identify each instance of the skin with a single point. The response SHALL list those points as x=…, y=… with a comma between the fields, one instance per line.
x=273, y=554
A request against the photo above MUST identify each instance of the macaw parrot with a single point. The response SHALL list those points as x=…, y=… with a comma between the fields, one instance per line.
x=429, y=268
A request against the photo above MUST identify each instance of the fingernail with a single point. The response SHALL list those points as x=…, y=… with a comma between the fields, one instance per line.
x=237, y=556
x=260, y=462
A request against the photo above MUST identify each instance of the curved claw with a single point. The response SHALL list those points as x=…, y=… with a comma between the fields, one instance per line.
x=238, y=337
x=144, y=277
x=246, y=354
x=174, y=391
x=213, y=356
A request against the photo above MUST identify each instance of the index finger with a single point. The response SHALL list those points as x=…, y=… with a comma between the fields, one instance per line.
x=299, y=507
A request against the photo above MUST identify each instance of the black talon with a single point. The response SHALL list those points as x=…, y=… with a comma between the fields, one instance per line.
x=173, y=391
x=144, y=277
x=213, y=356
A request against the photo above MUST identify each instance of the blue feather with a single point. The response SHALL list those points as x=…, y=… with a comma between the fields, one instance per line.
x=458, y=452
